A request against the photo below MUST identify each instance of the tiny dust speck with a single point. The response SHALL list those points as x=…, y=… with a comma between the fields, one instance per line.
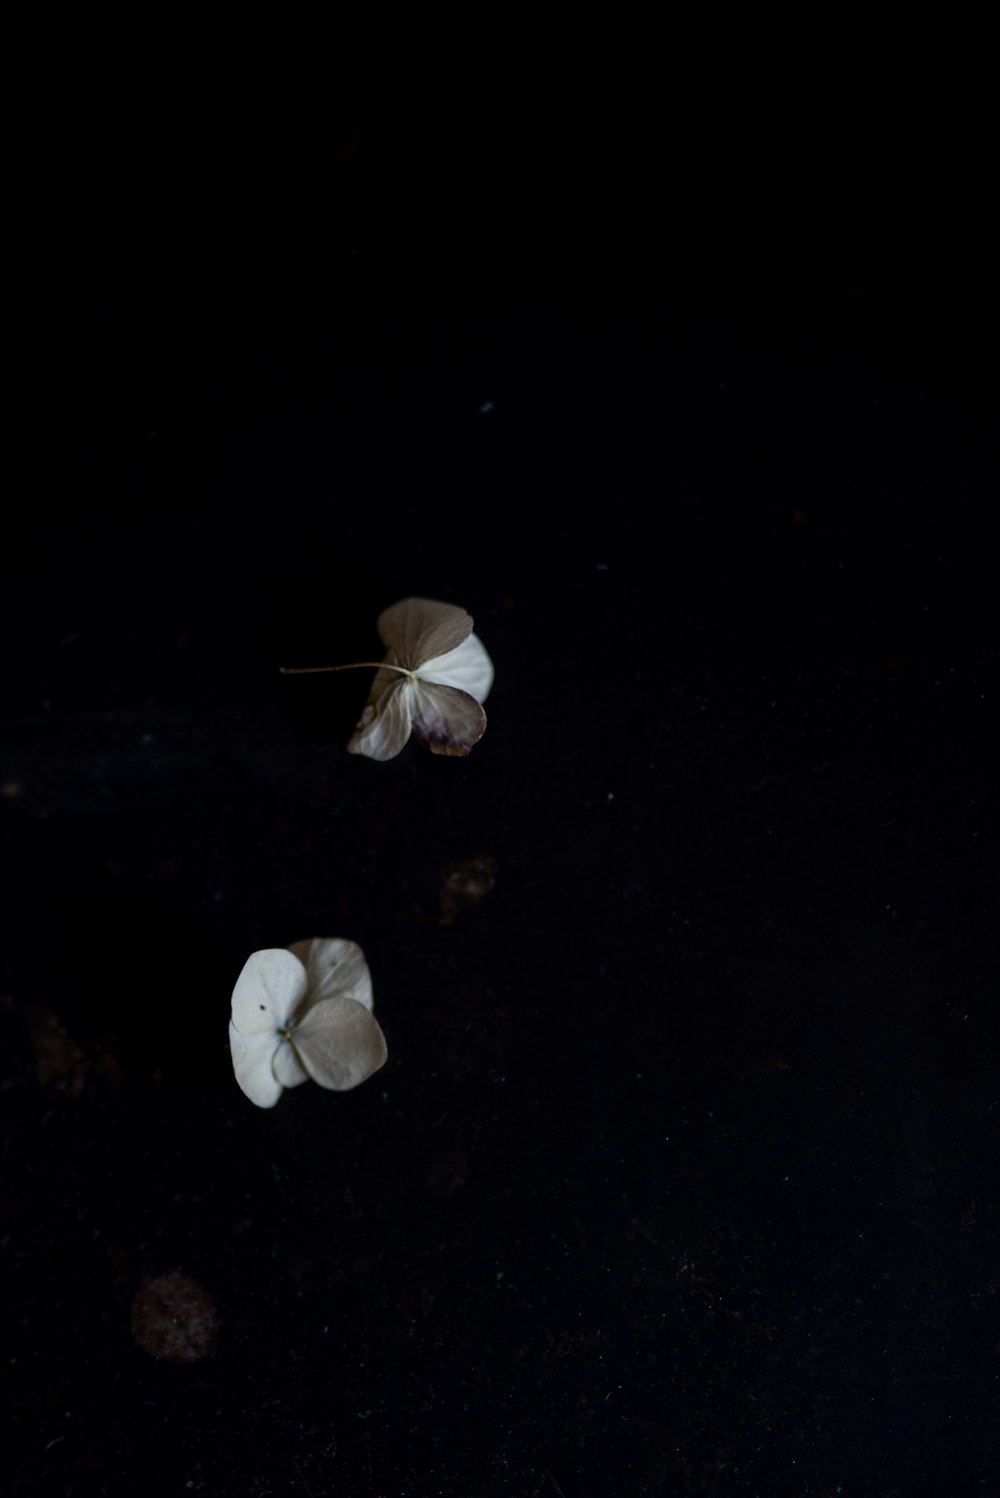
x=173, y=1318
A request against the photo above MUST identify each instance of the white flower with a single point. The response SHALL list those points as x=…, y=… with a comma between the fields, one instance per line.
x=433, y=681
x=304, y=1011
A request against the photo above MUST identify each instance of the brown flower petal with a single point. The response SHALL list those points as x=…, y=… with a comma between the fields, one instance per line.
x=446, y=720
x=418, y=629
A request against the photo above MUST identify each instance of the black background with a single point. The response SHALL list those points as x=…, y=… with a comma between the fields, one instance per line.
x=681, y=1175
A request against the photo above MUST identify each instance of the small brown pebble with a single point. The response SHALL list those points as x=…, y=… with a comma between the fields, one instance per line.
x=175, y=1319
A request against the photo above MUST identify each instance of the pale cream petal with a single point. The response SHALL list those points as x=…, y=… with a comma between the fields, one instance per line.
x=446, y=720
x=340, y=1044
x=418, y=629
x=252, y=1056
x=336, y=969
x=288, y=1069
x=268, y=991
x=467, y=667
x=384, y=726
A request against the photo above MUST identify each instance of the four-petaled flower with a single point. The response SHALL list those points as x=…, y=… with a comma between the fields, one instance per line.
x=432, y=682
x=435, y=677
x=304, y=1011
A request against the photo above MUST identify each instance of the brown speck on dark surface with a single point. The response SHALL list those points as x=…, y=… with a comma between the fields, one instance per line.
x=466, y=882
x=60, y=1061
x=173, y=1318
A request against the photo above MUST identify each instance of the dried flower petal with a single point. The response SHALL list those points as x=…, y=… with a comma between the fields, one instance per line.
x=335, y=967
x=268, y=990
x=446, y=720
x=253, y=1057
x=467, y=667
x=340, y=1043
x=418, y=629
x=385, y=723
x=287, y=1067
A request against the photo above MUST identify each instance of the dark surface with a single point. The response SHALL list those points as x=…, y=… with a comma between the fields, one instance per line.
x=681, y=1177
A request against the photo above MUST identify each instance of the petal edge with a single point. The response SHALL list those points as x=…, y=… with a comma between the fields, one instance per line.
x=384, y=726
x=251, y=1056
x=445, y=719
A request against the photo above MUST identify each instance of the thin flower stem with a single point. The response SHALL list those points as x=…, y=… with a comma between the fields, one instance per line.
x=353, y=666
